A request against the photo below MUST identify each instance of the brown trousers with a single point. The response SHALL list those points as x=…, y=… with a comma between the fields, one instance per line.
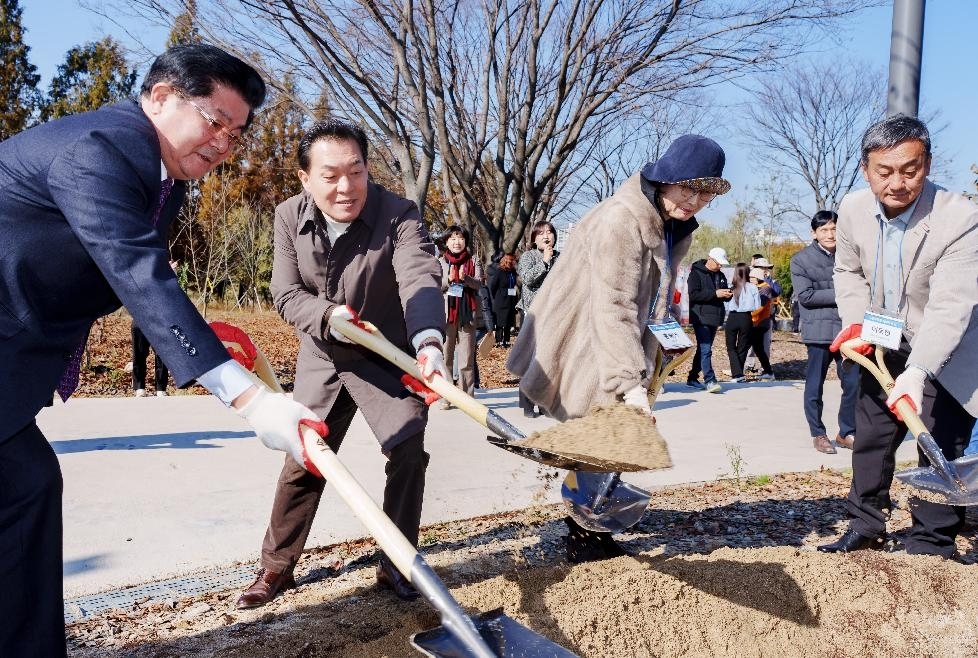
x=298, y=492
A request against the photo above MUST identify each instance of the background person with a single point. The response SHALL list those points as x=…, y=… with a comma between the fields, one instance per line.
x=811, y=279
x=140, y=354
x=460, y=282
x=532, y=270
x=345, y=246
x=774, y=291
x=100, y=190
x=503, y=290
x=761, y=323
x=708, y=289
x=908, y=249
x=737, y=331
x=618, y=270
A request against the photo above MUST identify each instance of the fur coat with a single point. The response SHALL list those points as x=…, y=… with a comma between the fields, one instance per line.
x=584, y=341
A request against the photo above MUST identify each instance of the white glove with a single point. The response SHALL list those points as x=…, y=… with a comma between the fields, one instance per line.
x=909, y=383
x=638, y=397
x=431, y=360
x=344, y=313
x=276, y=418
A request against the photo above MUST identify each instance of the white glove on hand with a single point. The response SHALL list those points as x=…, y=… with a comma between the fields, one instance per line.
x=431, y=360
x=638, y=397
x=344, y=313
x=275, y=419
x=909, y=384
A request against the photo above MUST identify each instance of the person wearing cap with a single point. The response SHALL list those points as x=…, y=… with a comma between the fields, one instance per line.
x=708, y=291
x=744, y=300
x=617, y=271
x=761, y=322
x=811, y=279
x=762, y=263
x=906, y=262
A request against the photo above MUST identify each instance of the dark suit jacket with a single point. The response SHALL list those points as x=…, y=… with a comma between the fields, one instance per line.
x=77, y=198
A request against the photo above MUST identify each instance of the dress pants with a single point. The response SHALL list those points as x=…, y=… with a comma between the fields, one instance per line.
x=298, y=492
x=32, y=619
x=819, y=360
x=878, y=435
x=464, y=338
x=140, y=352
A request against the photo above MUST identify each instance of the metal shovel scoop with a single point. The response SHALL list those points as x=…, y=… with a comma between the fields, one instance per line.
x=950, y=482
x=509, y=437
x=490, y=635
x=601, y=502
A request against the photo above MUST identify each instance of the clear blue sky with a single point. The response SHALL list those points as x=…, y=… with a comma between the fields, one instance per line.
x=947, y=79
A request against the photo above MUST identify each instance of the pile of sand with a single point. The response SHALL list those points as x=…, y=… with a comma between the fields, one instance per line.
x=616, y=438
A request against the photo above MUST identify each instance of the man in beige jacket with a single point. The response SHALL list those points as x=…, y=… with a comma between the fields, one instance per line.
x=908, y=250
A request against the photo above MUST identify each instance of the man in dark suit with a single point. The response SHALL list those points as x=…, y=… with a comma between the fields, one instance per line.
x=85, y=203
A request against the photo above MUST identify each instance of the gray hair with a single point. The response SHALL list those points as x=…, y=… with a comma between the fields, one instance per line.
x=891, y=131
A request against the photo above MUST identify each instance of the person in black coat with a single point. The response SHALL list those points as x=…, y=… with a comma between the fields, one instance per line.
x=502, y=287
x=708, y=289
x=811, y=278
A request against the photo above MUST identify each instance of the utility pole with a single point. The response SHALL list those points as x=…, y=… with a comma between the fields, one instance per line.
x=906, y=49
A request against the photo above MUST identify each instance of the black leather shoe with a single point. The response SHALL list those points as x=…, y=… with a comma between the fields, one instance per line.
x=388, y=577
x=585, y=545
x=853, y=541
x=264, y=589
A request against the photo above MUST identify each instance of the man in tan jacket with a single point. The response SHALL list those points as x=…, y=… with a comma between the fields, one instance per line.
x=908, y=251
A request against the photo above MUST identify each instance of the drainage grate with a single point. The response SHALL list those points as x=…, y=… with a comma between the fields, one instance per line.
x=216, y=580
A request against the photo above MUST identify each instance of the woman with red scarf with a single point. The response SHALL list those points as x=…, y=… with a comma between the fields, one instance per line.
x=461, y=280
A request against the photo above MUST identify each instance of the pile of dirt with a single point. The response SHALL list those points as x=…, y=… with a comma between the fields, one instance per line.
x=615, y=437
x=725, y=568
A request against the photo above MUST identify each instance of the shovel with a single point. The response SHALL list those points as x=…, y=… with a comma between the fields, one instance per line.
x=489, y=635
x=509, y=437
x=949, y=482
x=601, y=502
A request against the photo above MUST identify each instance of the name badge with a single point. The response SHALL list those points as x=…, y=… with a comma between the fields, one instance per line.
x=880, y=328
x=512, y=292
x=455, y=290
x=670, y=335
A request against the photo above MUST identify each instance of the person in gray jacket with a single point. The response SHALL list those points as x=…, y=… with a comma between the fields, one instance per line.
x=811, y=278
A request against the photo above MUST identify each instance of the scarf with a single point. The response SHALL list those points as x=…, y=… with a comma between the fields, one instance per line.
x=461, y=310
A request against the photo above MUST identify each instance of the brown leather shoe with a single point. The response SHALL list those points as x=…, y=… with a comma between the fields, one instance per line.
x=822, y=444
x=388, y=577
x=264, y=589
x=845, y=441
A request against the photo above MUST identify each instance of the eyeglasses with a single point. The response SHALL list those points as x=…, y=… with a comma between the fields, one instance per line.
x=220, y=130
x=689, y=194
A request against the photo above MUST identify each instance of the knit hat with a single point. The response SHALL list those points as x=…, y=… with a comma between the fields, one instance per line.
x=692, y=161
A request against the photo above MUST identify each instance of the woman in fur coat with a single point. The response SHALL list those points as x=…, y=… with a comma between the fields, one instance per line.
x=585, y=341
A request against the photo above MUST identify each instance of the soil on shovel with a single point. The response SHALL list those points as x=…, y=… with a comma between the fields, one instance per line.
x=618, y=437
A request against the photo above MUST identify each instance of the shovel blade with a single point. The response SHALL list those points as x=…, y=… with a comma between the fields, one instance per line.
x=962, y=489
x=504, y=635
x=603, y=503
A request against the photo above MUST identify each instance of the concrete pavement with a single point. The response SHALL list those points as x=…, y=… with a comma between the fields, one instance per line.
x=157, y=487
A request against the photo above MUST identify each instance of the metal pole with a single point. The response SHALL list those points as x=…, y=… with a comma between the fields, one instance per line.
x=906, y=48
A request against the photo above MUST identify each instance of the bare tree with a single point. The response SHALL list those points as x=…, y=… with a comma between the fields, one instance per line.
x=503, y=94
x=809, y=119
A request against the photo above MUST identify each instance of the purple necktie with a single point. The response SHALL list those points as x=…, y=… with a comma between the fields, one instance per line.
x=166, y=186
x=72, y=373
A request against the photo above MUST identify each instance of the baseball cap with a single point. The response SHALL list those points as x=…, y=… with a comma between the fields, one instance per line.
x=719, y=255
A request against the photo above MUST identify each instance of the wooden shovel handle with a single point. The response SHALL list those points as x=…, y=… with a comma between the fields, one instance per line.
x=373, y=340
x=883, y=376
